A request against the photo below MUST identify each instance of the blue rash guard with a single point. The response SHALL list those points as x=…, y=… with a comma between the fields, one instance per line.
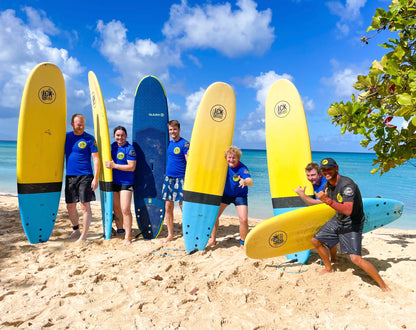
x=176, y=161
x=232, y=188
x=78, y=150
x=120, y=156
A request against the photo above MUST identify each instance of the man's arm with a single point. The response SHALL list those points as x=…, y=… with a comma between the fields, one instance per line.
x=307, y=199
x=345, y=208
x=96, y=162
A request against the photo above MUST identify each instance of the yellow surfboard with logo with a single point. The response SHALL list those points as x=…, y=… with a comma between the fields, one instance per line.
x=40, y=150
x=206, y=168
x=288, y=149
x=104, y=152
x=287, y=233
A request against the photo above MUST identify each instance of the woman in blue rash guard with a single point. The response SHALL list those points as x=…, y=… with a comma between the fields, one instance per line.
x=123, y=165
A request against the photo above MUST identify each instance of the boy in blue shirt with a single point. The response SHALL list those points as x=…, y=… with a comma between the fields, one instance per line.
x=172, y=189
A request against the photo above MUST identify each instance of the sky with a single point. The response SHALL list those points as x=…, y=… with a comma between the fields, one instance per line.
x=189, y=45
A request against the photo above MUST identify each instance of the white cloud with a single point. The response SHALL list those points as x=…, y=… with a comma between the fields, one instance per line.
x=22, y=47
x=308, y=104
x=349, y=14
x=342, y=79
x=192, y=104
x=231, y=32
x=134, y=59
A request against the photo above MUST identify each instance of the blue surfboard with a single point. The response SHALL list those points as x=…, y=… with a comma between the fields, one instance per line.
x=150, y=140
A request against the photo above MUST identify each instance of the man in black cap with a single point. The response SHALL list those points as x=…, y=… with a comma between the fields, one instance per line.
x=343, y=195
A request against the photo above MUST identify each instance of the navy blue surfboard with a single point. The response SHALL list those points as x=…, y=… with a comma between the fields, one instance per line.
x=150, y=140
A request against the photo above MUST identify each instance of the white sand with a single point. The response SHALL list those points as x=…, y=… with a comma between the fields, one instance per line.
x=106, y=285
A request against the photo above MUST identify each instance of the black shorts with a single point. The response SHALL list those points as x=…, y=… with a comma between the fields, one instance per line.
x=120, y=187
x=348, y=236
x=78, y=189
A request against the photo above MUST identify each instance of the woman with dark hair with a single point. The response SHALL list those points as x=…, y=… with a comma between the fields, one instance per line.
x=123, y=165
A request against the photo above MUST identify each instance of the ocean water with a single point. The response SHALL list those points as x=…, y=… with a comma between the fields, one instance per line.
x=399, y=183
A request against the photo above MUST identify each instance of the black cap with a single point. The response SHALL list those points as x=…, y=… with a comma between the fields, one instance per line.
x=328, y=163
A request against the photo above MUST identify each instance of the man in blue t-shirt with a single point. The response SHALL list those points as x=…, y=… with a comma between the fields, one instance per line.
x=314, y=176
x=172, y=189
x=235, y=191
x=80, y=180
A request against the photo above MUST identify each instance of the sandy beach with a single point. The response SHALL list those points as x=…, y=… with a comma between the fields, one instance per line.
x=101, y=284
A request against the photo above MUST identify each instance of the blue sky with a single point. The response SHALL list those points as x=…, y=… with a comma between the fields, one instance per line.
x=189, y=45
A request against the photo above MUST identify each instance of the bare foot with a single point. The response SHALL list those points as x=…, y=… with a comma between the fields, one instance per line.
x=385, y=289
x=168, y=239
x=126, y=241
x=75, y=234
x=211, y=242
x=325, y=271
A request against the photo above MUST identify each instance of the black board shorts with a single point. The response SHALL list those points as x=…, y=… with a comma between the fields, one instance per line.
x=78, y=189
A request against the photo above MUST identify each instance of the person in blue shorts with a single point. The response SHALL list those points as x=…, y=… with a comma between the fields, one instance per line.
x=235, y=191
x=343, y=195
x=172, y=189
x=80, y=180
x=123, y=165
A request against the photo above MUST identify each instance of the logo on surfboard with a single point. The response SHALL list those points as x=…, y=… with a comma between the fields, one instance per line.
x=218, y=113
x=282, y=109
x=277, y=239
x=47, y=95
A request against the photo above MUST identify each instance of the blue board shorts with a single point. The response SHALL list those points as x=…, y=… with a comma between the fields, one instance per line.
x=172, y=189
x=78, y=189
x=235, y=200
x=348, y=236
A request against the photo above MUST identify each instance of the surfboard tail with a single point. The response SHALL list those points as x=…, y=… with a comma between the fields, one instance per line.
x=150, y=213
x=198, y=222
x=38, y=214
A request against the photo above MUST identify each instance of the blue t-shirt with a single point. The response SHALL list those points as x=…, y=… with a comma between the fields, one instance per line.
x=120, y=156
x=78, y=150
x=176, y=162
x=232, y=188
x=318, y=188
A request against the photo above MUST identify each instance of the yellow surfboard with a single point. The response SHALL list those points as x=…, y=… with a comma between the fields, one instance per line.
x=40, y=150
x=206, y=168
x=288, y=146
x=104, y=152
x=287, y=233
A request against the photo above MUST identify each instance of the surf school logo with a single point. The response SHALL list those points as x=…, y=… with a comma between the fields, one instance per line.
x=218, y=113
x=282, y=109
x=235, y=177
x=82, y=144
x=176, y=150
x=47, y=95
x=339, y=198
x=277, y=239
x=156, y=114
x=120, y=155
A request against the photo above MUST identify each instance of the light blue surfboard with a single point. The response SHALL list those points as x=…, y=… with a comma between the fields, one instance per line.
x=150, y=140
x=378, y=213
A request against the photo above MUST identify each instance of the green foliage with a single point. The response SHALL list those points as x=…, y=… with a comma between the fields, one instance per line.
x=388, y=91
